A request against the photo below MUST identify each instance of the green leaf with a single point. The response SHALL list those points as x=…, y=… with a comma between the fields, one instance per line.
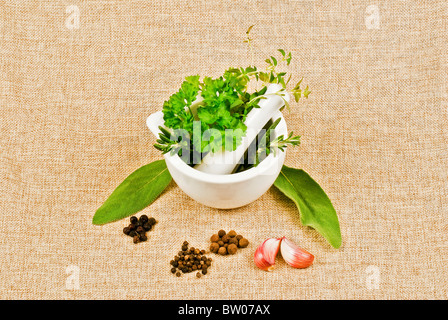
x=264, y=77
x=288, y=59
x=316, y=209
x=281, y=51
x=135, y=193
x=306, y=92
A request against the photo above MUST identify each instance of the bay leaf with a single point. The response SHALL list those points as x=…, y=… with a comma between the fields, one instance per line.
x=316, y=209
x=135, y=193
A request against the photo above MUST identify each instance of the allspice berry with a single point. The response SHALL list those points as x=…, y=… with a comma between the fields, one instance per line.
x=227, y=243
x=243, y=243
x=232, y=248
x=214, y=247
x=234, y=241
x=231, y=233
x=222, y=251
x=225, y=238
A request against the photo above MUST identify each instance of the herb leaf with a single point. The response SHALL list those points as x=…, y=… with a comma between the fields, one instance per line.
x=314, y=205
x=135, y=193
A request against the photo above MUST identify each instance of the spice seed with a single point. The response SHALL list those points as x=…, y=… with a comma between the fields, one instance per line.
x=143, y=218
x=232, y=233
x=243, y=243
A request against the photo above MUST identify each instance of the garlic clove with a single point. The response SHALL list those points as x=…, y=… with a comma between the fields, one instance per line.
x=264, y=256
x=294, y=255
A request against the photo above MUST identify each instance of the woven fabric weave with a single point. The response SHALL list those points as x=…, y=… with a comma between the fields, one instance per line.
x=79, y=78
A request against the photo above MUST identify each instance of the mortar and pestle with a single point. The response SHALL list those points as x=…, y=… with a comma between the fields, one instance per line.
x=212, y=182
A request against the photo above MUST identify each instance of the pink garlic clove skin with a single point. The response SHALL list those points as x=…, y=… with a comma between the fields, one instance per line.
x=295, y=256
x=264, y=256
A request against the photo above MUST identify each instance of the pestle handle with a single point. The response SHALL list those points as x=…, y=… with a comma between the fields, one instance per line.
x=224, y=162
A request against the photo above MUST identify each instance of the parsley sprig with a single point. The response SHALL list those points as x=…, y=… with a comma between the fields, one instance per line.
x=224, y=104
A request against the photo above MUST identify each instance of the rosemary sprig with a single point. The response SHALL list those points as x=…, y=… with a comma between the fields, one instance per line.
x=166, y=144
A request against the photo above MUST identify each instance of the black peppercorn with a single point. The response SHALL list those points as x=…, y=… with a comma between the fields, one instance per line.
x=126, y=230
x=189, y=260
x=136, y=239
x=143, y=237
x=134, y=220
x=143, y=218
x=173, y=270
x=147, y=226
x=152, y=221
x=178, y=274
x=140, y=229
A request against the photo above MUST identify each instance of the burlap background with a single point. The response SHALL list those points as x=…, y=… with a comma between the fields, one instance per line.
x=73, y=108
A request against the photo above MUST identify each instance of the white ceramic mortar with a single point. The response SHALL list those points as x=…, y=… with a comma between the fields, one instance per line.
x=229, y=190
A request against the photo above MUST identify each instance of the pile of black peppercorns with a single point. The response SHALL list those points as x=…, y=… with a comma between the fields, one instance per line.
x=190, y=260
x=227, y=243
x=138, y=227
